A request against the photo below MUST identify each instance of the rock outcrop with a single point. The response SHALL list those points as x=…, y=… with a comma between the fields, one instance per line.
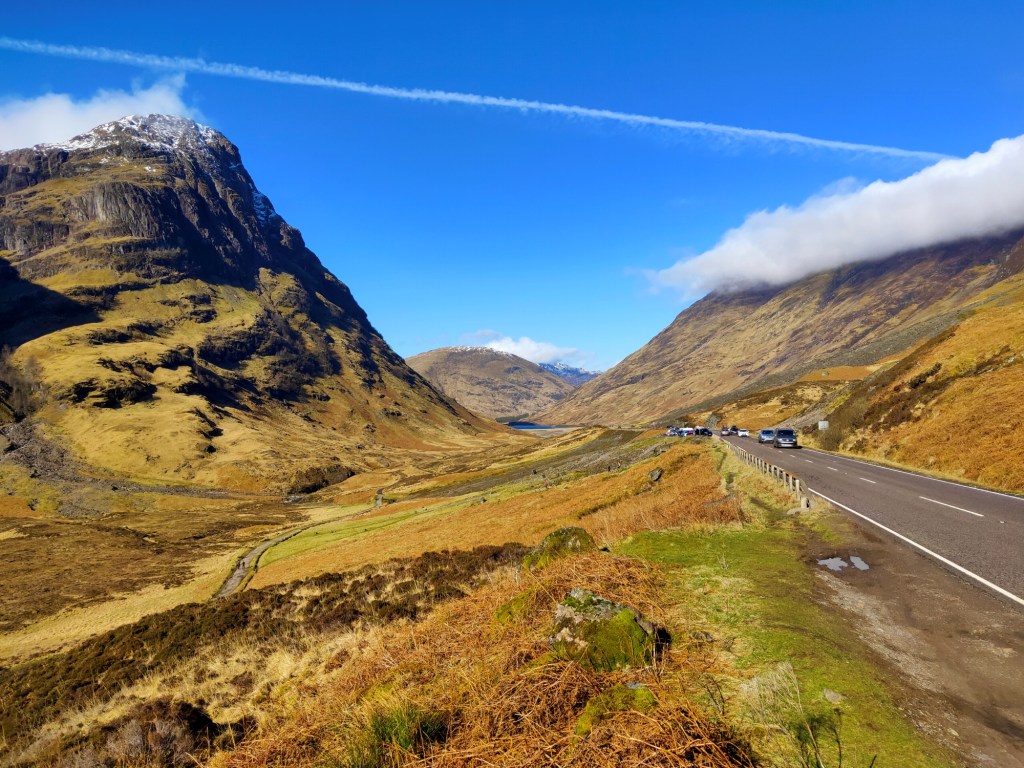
x=183, y=327
x=558, y=544
x=600, y=634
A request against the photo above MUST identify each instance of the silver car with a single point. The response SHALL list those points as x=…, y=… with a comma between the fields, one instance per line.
x=766, y=436
x=785, y=438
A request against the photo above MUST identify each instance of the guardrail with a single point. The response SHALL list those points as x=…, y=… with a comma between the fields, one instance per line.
x=793, y=483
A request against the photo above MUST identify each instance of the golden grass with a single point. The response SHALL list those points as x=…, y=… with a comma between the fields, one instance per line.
x=965, y=422
x=840, y=373
x=162, y=440
x=609, y=505
x=773, y=406
x=69, y=627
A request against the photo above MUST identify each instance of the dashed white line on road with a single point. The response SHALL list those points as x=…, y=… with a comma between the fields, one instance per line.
x=917, y=474
x=960, y=509
x=936, y=555
x=869, y=481
x=808, y=461
x=832, y=468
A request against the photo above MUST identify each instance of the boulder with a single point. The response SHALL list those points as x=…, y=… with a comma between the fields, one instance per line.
x=600, y=634
x=560, y=543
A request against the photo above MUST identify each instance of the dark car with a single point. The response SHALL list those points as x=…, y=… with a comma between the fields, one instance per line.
x=766, y=436
x=785, y=438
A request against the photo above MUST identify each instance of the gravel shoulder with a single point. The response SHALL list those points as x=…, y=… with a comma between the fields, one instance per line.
x=956, y=652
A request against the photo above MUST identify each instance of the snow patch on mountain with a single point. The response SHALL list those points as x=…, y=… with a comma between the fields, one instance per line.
x=166, y=133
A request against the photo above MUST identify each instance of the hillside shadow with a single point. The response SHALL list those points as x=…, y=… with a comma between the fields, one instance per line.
x=28, y=310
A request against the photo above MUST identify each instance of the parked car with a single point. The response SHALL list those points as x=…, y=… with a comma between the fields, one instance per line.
x=766, y=436
x=742, y=433
x=785, y=438
x=704, y=431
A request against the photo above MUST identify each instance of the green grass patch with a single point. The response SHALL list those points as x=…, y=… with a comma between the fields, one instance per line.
x=326, y=534
x=752, y=590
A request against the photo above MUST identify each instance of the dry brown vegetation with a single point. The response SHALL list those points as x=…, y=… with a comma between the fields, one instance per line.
x=173, y=546
x=162, y=648
x=155, y=541
x=490, y=693
x=953, y=406
x=267, y=657
x=609, y=504
x=774, y=406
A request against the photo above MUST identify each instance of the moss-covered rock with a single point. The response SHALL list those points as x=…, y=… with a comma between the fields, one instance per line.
x=515, y=609
x=560, y=543
x=618, y=698
x=600, y=634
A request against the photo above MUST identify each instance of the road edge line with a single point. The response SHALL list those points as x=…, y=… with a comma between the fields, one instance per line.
x=970, y=574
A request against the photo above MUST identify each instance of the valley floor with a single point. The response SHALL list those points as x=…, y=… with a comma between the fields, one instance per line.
x=384, y=655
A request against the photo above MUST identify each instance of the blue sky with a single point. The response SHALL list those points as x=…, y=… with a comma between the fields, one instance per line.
x=457, y=223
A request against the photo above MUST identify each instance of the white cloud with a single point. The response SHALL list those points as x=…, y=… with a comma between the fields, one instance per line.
x=726, y=133
x=55, y=117
x=957, y=198
x=535, y=351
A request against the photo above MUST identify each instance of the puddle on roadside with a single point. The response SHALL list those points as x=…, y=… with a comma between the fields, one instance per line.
x=833, y=563
x=837, y=563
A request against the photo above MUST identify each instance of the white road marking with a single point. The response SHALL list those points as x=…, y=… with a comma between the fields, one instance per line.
x=961, y=509
x=916, y=474
x=832, y=468
x=808, y=461
x=869, y=481
x=940, y=558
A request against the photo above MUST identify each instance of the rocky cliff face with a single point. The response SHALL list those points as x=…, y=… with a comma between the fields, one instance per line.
x=728, y=344
x=180, y=326
x=491, y=383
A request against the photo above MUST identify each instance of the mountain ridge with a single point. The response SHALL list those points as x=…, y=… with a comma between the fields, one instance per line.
x=729, y=343
x=158, y=291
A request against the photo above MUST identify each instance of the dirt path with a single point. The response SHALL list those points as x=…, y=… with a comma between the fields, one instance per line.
x=247, y=564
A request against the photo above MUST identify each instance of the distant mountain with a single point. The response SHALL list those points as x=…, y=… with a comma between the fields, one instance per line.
x=178, y=329
x=491, y=383
x=729, y=344
x=575, y=376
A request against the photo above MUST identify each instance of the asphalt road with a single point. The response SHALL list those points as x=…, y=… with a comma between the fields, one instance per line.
x=975, y=532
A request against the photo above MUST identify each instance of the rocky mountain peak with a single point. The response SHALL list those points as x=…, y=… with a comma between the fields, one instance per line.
x=165, y=133
x=153, y=284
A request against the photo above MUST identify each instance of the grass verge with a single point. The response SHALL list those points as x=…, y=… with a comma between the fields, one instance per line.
x=808, y=689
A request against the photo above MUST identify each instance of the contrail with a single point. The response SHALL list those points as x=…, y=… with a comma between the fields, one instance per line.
x=182, y=64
